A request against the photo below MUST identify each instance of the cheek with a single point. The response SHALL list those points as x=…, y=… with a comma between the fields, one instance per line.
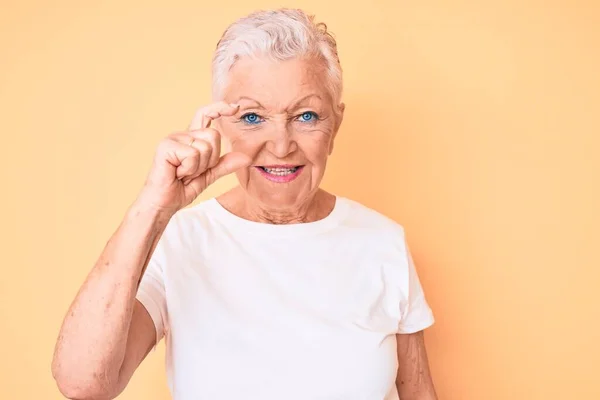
x=246, y=142
x=313, y=145
x=315, y=148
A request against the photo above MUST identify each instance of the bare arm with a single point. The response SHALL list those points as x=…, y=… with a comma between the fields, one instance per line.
x=107, y=333
x=413, y=380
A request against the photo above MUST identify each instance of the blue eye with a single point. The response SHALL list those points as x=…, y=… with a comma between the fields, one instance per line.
x=251, y=118
x=308, y=116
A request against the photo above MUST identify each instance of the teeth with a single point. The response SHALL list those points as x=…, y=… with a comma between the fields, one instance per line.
x=281, y=171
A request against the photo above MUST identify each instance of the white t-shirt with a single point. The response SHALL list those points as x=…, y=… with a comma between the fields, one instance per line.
x=308, y=311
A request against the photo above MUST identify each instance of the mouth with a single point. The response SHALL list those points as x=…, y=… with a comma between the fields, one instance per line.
x=280, y=173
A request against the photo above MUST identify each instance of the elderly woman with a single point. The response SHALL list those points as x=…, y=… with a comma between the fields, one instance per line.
x=276, y=289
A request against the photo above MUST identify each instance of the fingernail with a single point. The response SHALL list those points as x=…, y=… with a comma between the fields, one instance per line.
x=234, y=105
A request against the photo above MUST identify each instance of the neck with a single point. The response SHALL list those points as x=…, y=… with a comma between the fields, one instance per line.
x=313, y=208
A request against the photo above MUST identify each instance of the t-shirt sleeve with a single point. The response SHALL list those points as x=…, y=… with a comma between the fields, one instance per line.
x=416, y=314
x=151, y=291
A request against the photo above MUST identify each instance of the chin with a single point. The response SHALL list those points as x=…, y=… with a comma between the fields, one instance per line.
x=280, y=199
x=277, y=195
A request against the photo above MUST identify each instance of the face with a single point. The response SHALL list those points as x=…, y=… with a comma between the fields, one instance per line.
x=286, y=123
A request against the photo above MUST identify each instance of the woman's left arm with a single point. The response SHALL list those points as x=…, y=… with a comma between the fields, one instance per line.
x=413, y=380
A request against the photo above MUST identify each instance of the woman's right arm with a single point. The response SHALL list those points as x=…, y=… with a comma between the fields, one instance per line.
x=107, y=333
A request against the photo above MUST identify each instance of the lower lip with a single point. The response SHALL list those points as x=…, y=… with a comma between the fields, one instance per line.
x=280, y=178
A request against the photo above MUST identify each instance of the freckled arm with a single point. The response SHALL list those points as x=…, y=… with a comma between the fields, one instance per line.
x=413, y=380
x=107, y=333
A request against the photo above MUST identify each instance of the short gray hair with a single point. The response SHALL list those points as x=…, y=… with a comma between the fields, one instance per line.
x=281, y=34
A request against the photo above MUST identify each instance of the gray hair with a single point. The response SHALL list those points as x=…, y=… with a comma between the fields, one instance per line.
x=281, y=34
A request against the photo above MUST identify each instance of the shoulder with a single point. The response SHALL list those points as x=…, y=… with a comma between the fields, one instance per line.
x=199, y=213
x=361, y=216
x=190, y=223
x=372, y=230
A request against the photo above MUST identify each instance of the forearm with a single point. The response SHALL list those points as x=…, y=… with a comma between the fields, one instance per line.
x=426, y=392
x=92, y=341
x=414, y=381
x=419, y=388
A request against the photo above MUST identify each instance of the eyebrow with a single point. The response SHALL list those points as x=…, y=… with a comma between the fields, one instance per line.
x=251, y=99
x=295, y=105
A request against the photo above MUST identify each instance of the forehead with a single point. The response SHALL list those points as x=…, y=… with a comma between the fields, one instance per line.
x=276, y=82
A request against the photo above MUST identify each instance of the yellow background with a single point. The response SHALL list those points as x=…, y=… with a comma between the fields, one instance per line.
x=474, y=124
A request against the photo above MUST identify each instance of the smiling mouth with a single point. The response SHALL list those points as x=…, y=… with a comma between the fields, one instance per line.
x=280, y=171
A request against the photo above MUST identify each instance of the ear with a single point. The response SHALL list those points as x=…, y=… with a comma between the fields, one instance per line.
x=338, y=123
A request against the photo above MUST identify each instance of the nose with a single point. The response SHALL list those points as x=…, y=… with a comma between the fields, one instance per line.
x=281, y=144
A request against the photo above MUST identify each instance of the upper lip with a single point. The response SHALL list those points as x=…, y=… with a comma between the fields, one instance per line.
x=280, y=166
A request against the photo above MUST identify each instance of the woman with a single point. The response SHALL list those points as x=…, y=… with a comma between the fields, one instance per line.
x=275, y=289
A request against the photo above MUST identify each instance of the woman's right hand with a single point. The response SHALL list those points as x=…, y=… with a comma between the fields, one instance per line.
x=187, y=162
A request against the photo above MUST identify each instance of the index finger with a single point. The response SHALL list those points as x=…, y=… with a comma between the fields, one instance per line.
x=205, y=115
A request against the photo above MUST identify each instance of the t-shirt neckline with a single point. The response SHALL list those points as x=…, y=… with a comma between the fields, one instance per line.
x=330, y=221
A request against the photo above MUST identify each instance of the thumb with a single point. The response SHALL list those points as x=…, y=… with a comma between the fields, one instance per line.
x=227, y=164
